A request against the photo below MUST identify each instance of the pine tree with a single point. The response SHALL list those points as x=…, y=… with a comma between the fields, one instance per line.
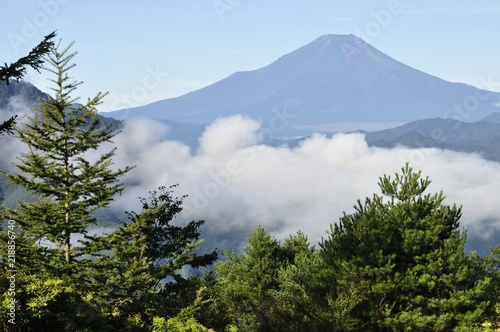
x=404, y=255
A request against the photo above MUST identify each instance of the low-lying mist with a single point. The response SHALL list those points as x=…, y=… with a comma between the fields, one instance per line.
x=235, y=183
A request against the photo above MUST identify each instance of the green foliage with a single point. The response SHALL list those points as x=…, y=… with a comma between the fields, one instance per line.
x=492, y=264
x=300, y=298
x=35, y=295
x=396, y=264
x=177, y=325
x=115, y=282
x=405, y=255
x=69, y=187
x=17, y=70
x=137, y=270
x=269, y=287
x=57, y=168
x=245, y=281
x=34, y=60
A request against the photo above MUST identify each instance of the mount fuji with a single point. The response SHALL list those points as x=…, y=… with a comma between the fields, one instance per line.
x=334, y=80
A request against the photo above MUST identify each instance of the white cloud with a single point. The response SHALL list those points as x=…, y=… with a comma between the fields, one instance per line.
x=227, y=135
x=235, y=184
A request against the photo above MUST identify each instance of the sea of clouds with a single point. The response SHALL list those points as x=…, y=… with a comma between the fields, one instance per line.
x=235, y=183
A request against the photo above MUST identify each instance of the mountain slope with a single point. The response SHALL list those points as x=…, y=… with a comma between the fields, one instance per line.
x=493, y=117
x=25, y=91
x=335, y=78
x=27, y=94
x=479, y=137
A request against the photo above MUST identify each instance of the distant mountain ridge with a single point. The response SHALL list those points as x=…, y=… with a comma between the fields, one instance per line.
x=481, y=137
x=333, y=79
x=23, y=90
x=31, y=95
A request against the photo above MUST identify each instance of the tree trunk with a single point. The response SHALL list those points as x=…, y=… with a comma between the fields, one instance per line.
x=67, y=238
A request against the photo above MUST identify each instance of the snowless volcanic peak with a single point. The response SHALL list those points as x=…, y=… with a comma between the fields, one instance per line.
x=333, y=79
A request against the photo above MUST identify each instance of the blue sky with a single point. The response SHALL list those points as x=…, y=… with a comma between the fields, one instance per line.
x=140, y=52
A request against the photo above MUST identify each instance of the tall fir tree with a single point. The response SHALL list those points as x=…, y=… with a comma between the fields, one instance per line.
x=70, y=185
x=57, y=167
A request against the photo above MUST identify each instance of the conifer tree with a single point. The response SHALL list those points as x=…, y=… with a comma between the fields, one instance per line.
x=404, y=255
x=264, y=288
x=71, y=180
x=246, y=279
x=57, y=166
x=300, y=298
x=139, y=267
